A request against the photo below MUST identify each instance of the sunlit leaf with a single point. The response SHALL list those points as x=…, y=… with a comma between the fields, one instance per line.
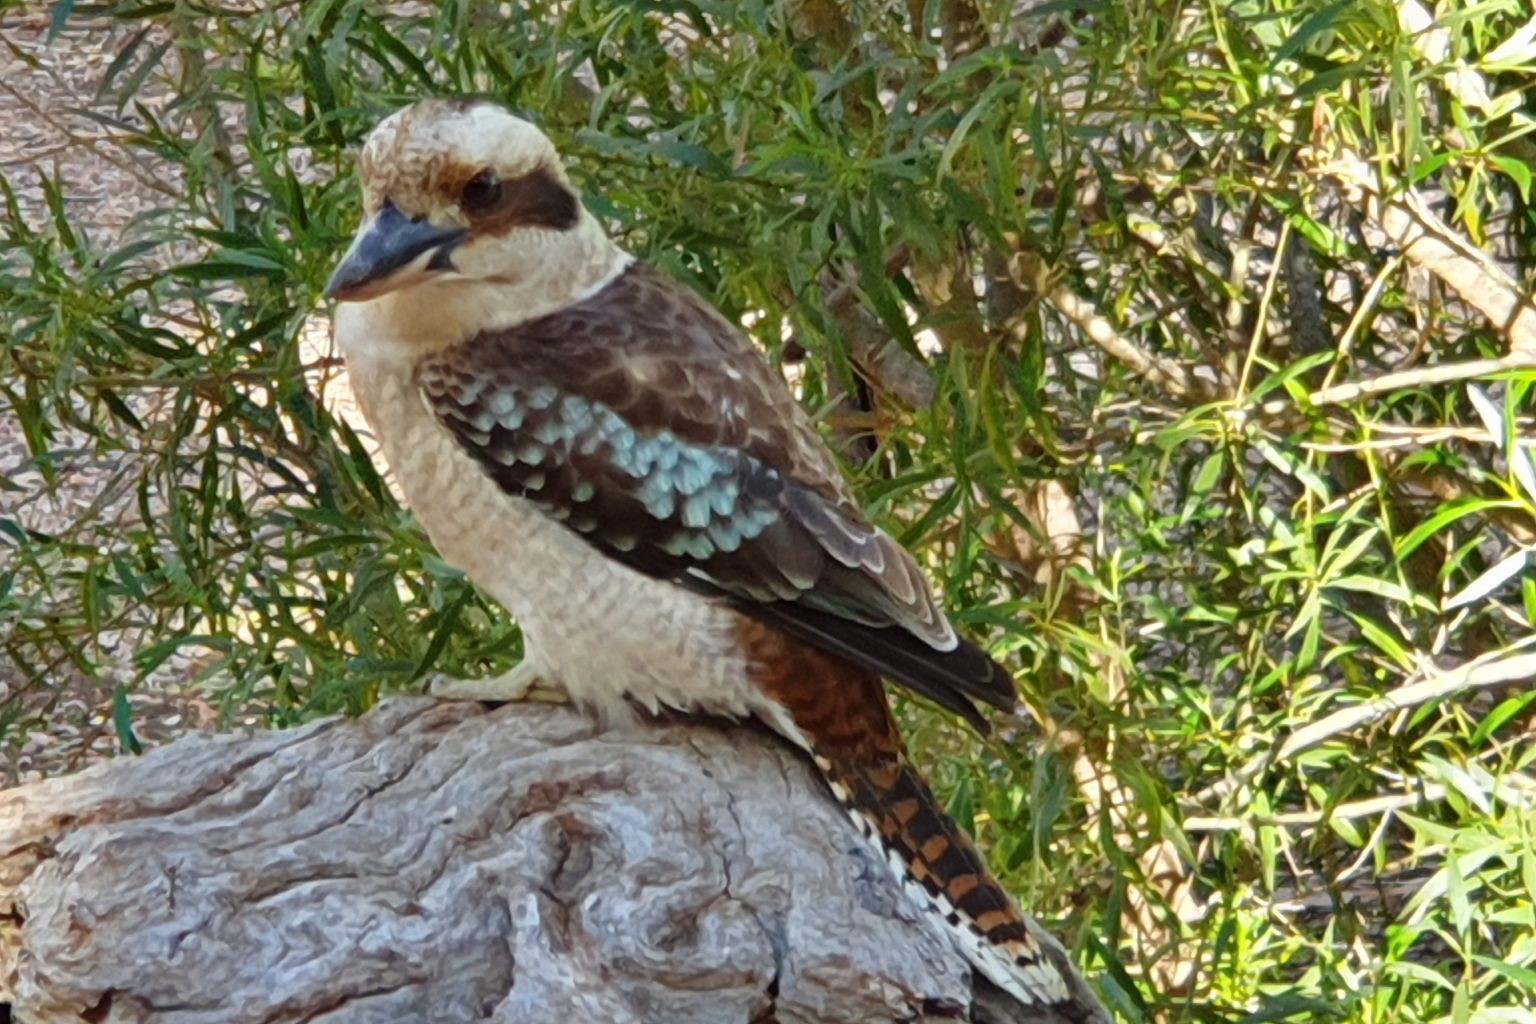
x=1491, y=579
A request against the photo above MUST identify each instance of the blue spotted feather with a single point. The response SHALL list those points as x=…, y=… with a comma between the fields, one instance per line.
x=653, y=429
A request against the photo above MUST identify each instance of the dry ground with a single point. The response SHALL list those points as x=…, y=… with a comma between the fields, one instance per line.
x=44, y=83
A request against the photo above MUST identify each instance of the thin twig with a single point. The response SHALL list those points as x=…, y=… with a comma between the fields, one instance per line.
x=1367, y=808
x=1491, y=670
x=1362, y=313
x=1358, y=809
x=148, y=180
x=1265, y=299
x=1162, y=372
x=1439, y=374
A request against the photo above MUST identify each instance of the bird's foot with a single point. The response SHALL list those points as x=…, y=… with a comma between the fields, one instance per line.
x=526, y=682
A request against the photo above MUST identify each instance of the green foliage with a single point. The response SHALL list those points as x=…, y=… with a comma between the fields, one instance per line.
x=1195, y=581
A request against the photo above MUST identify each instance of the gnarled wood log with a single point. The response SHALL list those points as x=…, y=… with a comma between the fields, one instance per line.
x=444, y=862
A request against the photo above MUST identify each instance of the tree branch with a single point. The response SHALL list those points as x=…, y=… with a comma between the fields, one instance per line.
x=1506, y=666
x=1441, y=373
x=1429, y=242
x=442, y=862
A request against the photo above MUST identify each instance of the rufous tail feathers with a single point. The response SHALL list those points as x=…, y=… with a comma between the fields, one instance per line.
x=837, y=712
x=940, y=868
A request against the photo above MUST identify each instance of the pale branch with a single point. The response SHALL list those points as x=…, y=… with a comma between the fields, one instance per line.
x=1366, y=808
x=1513, y=788
x=1401, y=435
x=888, y=366
x=1055, y=543
x=1029, y=275
x=1427, y=241
x=444, y=862
x=1161, y=372
x=1441, y=373
x=1506, y=666
x=944, y=282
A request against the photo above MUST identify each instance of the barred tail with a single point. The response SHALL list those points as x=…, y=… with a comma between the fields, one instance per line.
x=940, y=868
x=836, y=711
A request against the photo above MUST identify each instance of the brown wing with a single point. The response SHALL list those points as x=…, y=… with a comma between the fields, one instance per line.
x=654, y=429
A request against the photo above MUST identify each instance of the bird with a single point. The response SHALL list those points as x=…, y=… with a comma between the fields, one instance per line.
x=607, y=456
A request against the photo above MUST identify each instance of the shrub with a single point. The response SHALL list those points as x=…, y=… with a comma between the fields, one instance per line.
x=1183, y=344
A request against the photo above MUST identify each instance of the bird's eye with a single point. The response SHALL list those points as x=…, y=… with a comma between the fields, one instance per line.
x=481, y=193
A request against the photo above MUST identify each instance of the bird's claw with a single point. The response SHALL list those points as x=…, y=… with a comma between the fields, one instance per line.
x=523, y=683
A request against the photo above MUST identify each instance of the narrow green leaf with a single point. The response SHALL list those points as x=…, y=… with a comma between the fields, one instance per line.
x=1317, y=23
x=122, y=721
x=61, y=12
x=1506, y=711
x=1518, y=171
x=1448, y=513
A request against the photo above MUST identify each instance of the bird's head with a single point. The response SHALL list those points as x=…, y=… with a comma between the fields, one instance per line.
x=461, y=193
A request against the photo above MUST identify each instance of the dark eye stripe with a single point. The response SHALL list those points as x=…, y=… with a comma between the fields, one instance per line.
x=537, y=199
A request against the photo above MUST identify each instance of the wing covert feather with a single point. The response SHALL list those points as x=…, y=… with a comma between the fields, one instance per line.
x=647, y=424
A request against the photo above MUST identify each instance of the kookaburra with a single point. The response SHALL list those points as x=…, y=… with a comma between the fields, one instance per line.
x=607, y=456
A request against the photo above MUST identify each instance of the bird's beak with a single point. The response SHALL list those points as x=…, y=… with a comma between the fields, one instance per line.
x=391, y=250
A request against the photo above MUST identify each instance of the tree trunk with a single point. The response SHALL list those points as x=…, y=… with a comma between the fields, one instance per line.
x=444, y=862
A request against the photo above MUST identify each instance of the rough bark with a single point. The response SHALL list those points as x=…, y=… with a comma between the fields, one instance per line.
x=445, y=862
